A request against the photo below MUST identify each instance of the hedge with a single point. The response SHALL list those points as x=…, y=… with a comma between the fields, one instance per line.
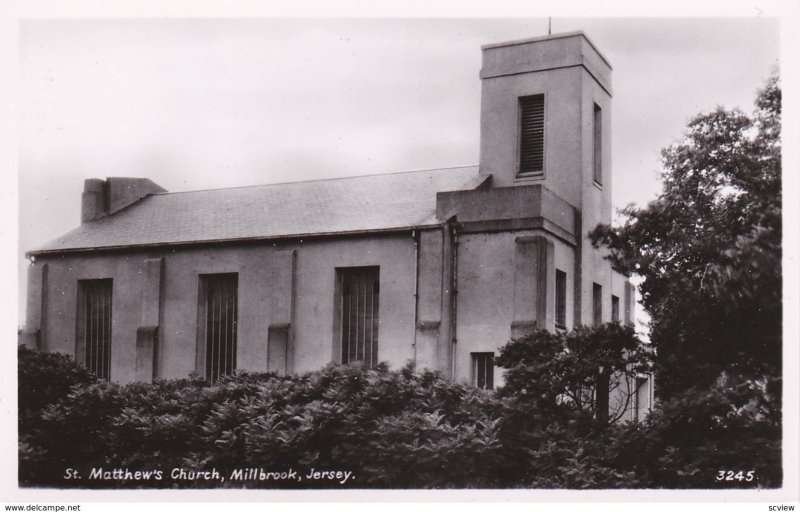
x=380, y=428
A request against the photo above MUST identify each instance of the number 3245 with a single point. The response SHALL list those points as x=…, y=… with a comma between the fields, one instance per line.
x=730, y=476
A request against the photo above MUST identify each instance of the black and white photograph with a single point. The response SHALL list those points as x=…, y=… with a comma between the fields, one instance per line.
x=539, y=254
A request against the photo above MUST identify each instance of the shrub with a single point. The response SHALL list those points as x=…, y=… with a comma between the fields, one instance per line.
x=393, y=429
x=732, y=426
x=45, y=379
x=401, y=429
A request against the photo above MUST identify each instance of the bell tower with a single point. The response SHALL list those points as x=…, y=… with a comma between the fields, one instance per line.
x=545, y=124
x=545, y=118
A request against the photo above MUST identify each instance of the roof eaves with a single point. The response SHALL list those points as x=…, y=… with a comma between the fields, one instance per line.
x=221, y=241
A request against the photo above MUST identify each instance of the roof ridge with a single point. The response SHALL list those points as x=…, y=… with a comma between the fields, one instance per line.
x=317, y=180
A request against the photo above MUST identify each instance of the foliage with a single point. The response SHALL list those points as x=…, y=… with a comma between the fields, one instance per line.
x=709, y=249
x=44, y=379
x=392, y=429
x=553, y=433
x=554, y=373
x=732, y=426
x=400, y=429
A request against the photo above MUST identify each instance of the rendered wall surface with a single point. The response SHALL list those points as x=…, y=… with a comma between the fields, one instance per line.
x=596, y=199
x=316, y=274
x=431, y=342
x=267, y=294
x=574, y=78
x=59, y=311
x=499, y=127
x=32, y=334
x=618, y=288
x=488, y=269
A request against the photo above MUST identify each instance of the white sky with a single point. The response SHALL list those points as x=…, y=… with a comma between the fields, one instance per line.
x=209, y=103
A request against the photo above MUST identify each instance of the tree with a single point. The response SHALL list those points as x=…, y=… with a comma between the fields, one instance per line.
x=590, y=371
x=556, y=430
x=709, y=249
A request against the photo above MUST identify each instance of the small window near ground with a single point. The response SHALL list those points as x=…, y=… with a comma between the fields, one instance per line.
x=561, y=299
x=483, y=369
x=614, y=308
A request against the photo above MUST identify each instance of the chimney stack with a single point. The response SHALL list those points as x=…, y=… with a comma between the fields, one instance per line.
x=105, y=197
x=94, y=200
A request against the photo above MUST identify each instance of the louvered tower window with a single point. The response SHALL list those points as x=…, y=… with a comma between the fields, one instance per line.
x=217, y=325
x=358, y=309
x=531, y=135
x=93, y=336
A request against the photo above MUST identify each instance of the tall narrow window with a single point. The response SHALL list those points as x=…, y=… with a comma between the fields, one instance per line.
x=597, y=304
x=217, y=324
x=641, y=402
x=358, y=309
x=597, y=146
x=561, y=299
x=614, y=308
x=93, y=333
x=483, y=369
x=531, y=135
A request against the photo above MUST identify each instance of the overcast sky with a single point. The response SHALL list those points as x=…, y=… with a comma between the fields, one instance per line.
x=196, y=104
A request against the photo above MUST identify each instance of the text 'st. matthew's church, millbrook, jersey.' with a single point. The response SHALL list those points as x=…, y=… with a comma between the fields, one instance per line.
x=438, y=267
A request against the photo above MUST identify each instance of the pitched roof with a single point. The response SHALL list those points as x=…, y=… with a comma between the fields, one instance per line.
x=345, y=205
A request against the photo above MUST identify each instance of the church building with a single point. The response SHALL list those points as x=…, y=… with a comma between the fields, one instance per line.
x=437, y=267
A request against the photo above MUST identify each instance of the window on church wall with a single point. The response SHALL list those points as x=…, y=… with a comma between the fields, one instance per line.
x=641, y=397
x=597, y=304
x=531, y=136
x=561, y=299
x=217, y=324
x=358, y=306
x=93, y=330
x=614, y=308
x=483, y=370
x=597, y=144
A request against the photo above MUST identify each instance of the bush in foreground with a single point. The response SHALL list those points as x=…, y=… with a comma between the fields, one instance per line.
x=393, y=429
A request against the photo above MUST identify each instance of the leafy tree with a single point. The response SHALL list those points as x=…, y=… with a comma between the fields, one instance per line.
x=589, y=370
x=565, y=396
x=732, y=426
x=709, y=249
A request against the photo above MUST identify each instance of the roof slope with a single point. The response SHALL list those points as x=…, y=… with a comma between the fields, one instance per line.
x=345, y=205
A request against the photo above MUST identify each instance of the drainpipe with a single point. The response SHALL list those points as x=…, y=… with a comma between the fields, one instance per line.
x=454, y=303
x=416, y=238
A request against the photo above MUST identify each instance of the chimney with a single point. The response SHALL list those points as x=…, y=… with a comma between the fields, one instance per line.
x=94, y=200
x=106, y=197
